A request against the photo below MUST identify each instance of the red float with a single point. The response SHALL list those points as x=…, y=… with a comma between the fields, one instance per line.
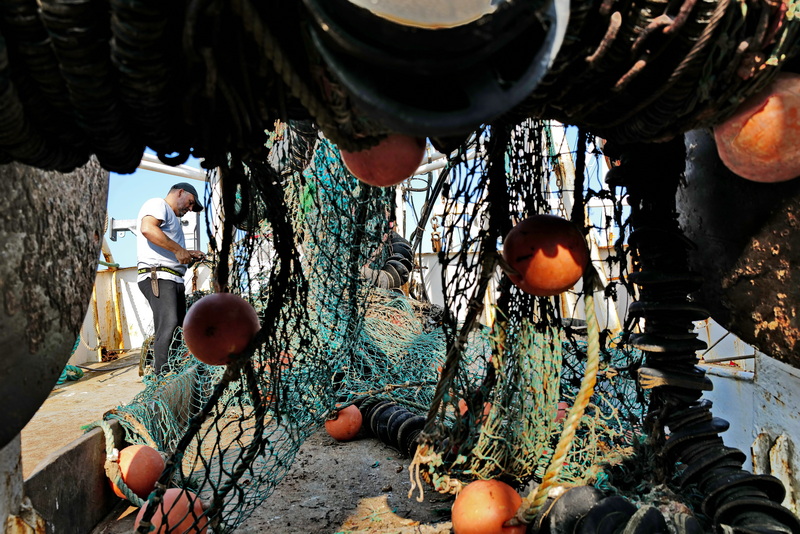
x=219, y=325
x=483, y=506
x=761, y=141
x=388, y=163
x=548, y=253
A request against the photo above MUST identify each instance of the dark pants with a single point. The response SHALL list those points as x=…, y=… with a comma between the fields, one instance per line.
x=169, y=309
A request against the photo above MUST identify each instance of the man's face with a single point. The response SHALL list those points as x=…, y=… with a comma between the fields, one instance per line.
x=186, y=202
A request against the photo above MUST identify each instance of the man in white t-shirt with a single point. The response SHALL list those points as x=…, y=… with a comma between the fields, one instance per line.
x=162, y=261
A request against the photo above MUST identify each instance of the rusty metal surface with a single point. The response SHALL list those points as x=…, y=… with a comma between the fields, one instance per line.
x=50, y=236
x=28, y=521
x=748, y=248
x=10, y=479
x=17, y=525
x=777, y=421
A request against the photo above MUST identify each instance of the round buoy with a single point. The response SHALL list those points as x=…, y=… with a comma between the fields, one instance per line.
x=140, y=467
x=345, y=424
x=483, y=506
x=219, y=325
x=761, y=141
x=179, y=511
x=548, y=253
x=388, y=163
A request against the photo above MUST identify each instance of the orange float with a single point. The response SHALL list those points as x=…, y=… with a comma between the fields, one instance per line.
x=140, y=467
x=179, y=511
x=548, y=253
x=392, y=160
x=219, y=325
x=761, y=141
x=483, y=506
x=345, y=424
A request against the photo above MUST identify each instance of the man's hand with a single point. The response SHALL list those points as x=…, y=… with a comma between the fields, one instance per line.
x=184, y=256
x=196, y=256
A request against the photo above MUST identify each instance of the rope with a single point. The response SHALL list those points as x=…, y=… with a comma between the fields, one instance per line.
x=697, y=53
x=70, y=372
x=274, y=52
x=536, y=498
x=425, y=455
x=90, y=349
x=112, y=462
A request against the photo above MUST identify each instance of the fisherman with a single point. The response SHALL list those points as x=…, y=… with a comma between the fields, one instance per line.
x=162, y=262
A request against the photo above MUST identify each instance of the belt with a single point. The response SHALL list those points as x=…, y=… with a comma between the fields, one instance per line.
x=154, y=276
x=143, y=270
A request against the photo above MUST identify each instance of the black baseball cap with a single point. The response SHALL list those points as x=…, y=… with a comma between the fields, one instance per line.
x=189, y=188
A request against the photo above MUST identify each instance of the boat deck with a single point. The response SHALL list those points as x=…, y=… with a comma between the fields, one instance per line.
x=74, y=404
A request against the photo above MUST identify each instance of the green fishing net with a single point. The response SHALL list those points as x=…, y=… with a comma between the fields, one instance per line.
x=478, y=374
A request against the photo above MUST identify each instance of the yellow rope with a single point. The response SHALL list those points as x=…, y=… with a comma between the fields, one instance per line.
x=536, y=498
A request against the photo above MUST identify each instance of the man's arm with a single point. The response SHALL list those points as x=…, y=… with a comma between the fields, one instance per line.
x=151, y=230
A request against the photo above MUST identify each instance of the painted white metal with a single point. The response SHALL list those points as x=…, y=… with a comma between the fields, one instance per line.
x=723, y=346
x=135, y=314
x=152, y=163
x=733, y=398
x=781, y=466
x=428, y=13
x=760, y=453
x=777, y=397
x=761, y=407
x=773, y=456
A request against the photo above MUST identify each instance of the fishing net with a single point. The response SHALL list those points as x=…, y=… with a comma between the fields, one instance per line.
x=500, y=406
x=478, y=380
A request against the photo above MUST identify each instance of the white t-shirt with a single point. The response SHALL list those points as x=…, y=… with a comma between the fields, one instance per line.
x=150, y=255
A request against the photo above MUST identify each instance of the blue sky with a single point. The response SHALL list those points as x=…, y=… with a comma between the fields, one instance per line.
x=127, y=193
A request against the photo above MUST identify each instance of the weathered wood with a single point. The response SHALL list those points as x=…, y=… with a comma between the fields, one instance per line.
x=51, y=230
x=748, y=249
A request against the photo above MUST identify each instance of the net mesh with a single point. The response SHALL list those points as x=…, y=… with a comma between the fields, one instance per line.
x=476, y=374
